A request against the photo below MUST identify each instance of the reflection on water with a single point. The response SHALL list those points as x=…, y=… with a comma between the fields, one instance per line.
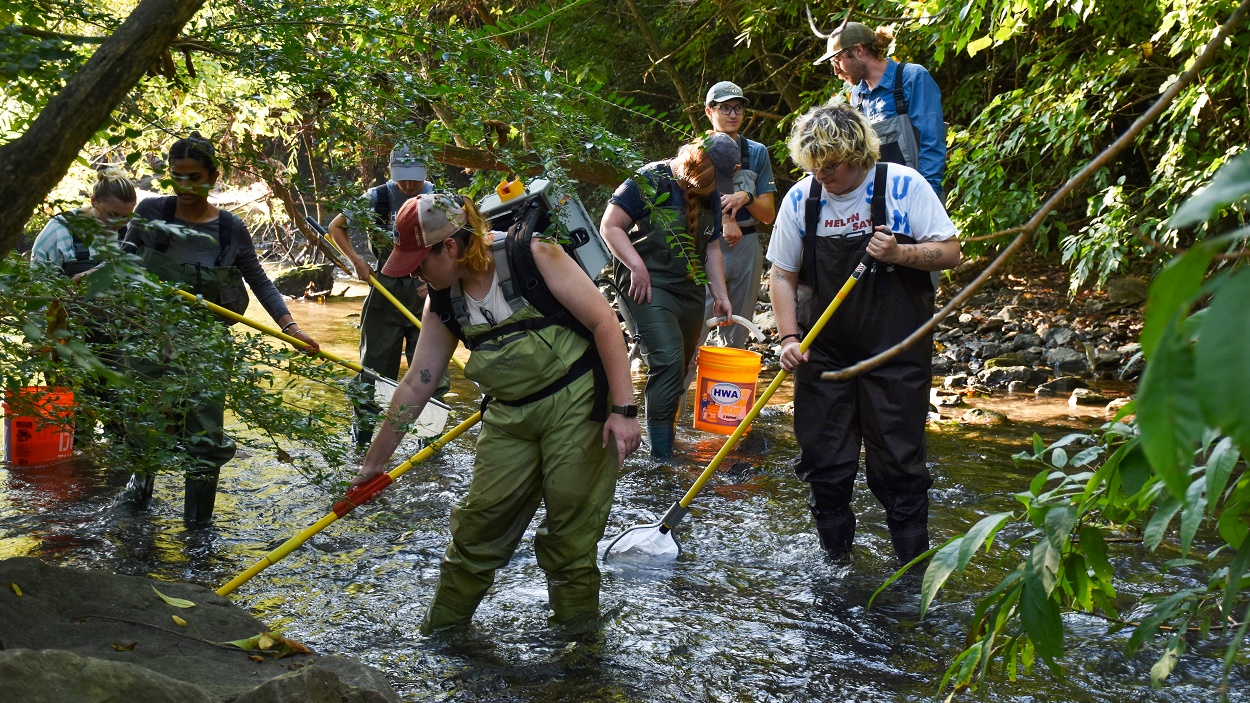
x=749, y=612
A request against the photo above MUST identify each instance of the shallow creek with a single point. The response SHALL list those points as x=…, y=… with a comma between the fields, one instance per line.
x=750, y=611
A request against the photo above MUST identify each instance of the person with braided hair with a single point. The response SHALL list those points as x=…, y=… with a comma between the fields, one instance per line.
x=658, y=226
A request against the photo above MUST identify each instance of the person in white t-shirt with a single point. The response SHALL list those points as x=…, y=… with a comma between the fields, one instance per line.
x=824, y=227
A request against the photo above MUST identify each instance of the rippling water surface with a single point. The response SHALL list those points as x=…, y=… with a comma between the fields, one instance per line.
x=749, y=612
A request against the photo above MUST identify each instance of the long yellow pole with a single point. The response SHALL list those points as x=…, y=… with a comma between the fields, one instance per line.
x=356, y=497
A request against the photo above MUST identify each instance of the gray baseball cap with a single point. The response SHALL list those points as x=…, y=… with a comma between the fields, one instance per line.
x=852, y=34
x=723, y=91
x=406, y=166
x=723, y=151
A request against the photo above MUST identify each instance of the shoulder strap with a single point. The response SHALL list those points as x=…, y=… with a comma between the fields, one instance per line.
x=900, y=101
x=169, y=206
x=440, y=304
x=878, y=195
x=382, y=205
x=745, y=151
x=811, y=218
x=528, y=281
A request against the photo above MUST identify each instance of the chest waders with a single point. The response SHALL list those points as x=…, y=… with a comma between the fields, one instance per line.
x=540, y=443
x=219, y=284
x=883, y=410
x=900, y=142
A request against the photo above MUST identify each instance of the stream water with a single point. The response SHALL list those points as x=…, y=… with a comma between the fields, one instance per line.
x=750, y=611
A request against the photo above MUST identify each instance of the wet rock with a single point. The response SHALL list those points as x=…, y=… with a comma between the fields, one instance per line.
x=1039, y=377
x=1025, y=340
x=1106, y=360
x=767, y=322
x=1033, y=355
x=1064, y=360
x=993, y=324
x=999, y=376
x=959, y=380
x=1058, y=337
x=1085, y=396
x=988, y=350
x=1061, y=385
x=300, y=279
x=945, y=400
x=1114, y=406
x=1017, y=387
x=54, y=675
x=313, y=684
x=965, y=318
x=981, y=416
x=1009, y=359
x=1128, y=290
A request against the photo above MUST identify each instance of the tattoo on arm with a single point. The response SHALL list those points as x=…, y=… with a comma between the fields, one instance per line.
x=426, y=376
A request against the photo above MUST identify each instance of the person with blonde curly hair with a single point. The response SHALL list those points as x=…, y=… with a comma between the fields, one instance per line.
x=73, y=240
x=559, y=416
x=852, y=204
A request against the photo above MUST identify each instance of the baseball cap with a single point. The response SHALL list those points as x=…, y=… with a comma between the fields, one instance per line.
x=421, y=223
x=854, y=33
x=723, y=151
x=406, y=166
x=723, y=91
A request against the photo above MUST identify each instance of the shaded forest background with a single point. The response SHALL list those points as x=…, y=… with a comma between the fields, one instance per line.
x=311, y=96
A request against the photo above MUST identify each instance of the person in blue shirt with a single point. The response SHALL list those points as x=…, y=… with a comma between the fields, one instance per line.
x=858, y=55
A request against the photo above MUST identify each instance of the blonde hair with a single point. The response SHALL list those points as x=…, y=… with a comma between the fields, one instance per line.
x=112, y=182
x=833, y=133
x=474, y=239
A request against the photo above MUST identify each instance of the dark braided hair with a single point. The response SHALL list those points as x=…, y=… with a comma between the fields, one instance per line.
x=194, y=147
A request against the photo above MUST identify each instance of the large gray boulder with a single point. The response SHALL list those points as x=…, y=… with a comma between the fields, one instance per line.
x=298, y=280
x=86, y=613
x=58, y=676
x=1067, y=361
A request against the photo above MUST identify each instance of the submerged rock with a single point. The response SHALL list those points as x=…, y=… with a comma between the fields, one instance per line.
x=1084, y=396
x=301, y=279
x=981, y=416
x=1063, y=384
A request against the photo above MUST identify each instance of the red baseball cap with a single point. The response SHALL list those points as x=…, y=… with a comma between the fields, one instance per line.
x=422, y=222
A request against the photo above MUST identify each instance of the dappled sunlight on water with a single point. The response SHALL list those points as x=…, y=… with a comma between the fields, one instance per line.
x=749, y=611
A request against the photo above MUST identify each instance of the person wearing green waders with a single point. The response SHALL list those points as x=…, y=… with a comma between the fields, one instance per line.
x=386, y=334
x=559, y=415
x=211, y=252
x=659, y=226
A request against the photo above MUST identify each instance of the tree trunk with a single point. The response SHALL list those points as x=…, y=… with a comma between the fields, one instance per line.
x=32, y=165
x=789, y=92
x=683, y=92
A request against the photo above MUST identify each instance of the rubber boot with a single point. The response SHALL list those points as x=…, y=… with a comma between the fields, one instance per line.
x=837, y=539
x=910, y=542
x=200, y=496
x=139, y=489
x=660, y=436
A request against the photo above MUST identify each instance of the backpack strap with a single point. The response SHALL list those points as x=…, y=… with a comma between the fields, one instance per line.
x=811, y=218
x=877, y=205
x=382, y=206
x=226, y=222
x=901, y=106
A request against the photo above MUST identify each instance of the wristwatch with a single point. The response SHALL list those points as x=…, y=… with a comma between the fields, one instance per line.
x=626, y=410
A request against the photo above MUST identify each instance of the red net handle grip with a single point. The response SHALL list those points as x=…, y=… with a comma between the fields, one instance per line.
x=359, y=495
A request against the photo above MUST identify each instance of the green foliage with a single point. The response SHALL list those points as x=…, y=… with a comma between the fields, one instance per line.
x=1181, y=456
x=98, y=337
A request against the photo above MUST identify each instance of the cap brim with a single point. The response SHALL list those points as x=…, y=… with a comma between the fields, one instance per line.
x=724, y=184
x=403, y=262
x=827, y=56
x=408, y=173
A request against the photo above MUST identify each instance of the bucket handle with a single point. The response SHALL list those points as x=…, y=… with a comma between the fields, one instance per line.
x=756, y=331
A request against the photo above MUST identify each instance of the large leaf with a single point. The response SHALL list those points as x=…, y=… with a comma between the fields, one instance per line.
x=1059, y=524
x=1168, y=413
x=940, y=568
x=1172, y=292
x=1223, y=359
x=1236, y=569
x=1041, y=570
x=1095, y=550
x=1192, y=513
x=1219, y=467
x=1152, y=536
x=1039, y=614
x=1231, y=183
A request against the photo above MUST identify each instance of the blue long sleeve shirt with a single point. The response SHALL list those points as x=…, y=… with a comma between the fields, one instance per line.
x=924, y=102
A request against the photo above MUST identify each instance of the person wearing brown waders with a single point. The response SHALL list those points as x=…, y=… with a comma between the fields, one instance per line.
x=852, y=204
x=559, y=415
x=212, y=254
x=660, y=238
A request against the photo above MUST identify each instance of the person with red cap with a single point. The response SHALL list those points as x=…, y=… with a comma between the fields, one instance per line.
x=559, y=414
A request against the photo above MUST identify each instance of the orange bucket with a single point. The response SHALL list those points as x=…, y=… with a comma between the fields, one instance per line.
x=47, y=437
x=724, y=387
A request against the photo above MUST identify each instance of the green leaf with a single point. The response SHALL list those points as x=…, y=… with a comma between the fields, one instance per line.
x=1236, y=568
x=1232, y=522
x=176, y=602
x=1152, y=536
x=979, y=44
x=940, y=568
x=1223, y=359
x=1167, y=662
x=1168, y=412
x=1038, y=445
x=1059, y=458
x=1171, y=293
x=1095, y=549
x=1039, y=614
x=1041, y=570
x=1192, y=513
x=1231, y=183
x=1219, y=467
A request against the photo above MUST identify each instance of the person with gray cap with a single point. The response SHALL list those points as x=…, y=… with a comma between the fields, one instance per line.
x=384, y=330
x=901, y=100
x=660, y=225
x=751, y=201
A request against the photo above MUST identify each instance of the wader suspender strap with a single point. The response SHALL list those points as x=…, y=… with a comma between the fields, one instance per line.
x=225, y=227
x=811, y=217
x=745, y=152
x=901, y=106
x=382, y=206
x=589, y=361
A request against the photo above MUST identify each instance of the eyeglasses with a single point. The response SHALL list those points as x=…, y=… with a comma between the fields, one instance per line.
x=728, y=110
x=827, y=170
x=841, y=54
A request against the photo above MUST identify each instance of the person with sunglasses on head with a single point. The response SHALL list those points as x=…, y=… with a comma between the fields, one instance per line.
x=900, y=100
x=750, y=202
x=853, y=203
x=559, y=416
x=63, y=241
x=662, y=238
x=210, y=251
x=386, y=334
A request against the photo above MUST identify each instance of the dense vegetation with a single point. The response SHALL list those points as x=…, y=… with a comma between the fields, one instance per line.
x=310, y=96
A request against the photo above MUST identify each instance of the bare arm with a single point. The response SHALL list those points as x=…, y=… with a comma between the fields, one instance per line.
x=429, y=361
x=925, y=256
x=763, y=209
x=783, y=288
x=338, y=232
x=614, y=227
x=716, y=281
x=576, y=292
